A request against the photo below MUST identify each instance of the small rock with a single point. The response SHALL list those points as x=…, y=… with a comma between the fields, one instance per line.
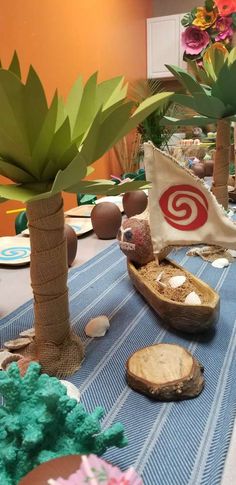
x=18, y=343
x=72, y=390
x=220, y=263
x=28, y=333
x=192, y=299
x=177, y=281
x=97, y=327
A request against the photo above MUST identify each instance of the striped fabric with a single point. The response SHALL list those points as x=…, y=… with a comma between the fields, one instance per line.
x=169, y=443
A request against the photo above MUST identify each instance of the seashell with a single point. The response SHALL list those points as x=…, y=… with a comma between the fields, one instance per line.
x=192, y=299
x=232, y=252
x=177, y=281
x=18, y=343
x=9, y=359
x=220, y=263
x=97, y=327
x=158, y=280
x=28, y=333
x=72, y=390
x=4, y=354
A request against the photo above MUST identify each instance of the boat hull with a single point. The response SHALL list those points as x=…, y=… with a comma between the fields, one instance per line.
x=185, y=318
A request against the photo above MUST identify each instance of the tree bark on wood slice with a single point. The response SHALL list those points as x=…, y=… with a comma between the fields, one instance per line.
x=55, y=346
x=165, y=372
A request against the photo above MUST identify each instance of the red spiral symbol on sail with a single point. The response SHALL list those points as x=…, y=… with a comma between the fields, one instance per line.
x=184, y=207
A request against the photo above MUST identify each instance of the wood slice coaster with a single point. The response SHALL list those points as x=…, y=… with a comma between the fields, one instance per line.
x=165, y=372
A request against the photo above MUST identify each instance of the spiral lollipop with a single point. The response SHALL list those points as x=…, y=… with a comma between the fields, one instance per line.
x=184, y=207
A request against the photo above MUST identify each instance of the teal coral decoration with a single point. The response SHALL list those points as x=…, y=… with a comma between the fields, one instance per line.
x=39, y=422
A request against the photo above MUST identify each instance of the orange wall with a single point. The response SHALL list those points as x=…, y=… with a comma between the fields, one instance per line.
x=64, y=38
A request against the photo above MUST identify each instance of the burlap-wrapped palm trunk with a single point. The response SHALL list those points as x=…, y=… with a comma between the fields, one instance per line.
x=57, y=348
x=221, y=166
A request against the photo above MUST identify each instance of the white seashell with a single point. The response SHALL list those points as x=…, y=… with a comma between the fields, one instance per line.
x=192, y=299
x=9, y=359
x=72, y=390
x=158, y=280
x=28, y=333
x=220, y=263
x=97, y=327
x=177, y=281
x=4, y=354
x=232, y=252
x=17, y=343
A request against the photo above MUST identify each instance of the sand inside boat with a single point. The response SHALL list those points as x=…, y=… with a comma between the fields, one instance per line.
x=150, y=272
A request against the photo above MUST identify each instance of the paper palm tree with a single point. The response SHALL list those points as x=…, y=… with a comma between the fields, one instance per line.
x=213, y=98
x=44, y=150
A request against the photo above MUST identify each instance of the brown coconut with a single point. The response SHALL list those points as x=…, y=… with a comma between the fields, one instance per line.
x=106, y=220
x=209, y=167
x=199, y=170
x=72, y=243
x=134, y=202
x=165, y=372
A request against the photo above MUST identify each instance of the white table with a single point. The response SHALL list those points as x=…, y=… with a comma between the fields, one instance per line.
x=15, y=290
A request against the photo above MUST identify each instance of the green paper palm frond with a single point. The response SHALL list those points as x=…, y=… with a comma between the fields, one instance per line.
x=213, y=100
x=46, y=148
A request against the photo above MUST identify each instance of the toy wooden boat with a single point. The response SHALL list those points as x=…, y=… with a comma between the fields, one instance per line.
x=181, y=316
x=182, y=211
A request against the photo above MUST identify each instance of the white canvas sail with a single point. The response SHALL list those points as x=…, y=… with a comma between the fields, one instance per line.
x=182, y=209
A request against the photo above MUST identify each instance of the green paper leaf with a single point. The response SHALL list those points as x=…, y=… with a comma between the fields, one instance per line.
x=107, y=91
x=101, y=136
x=210, y=106
x=14, y=173
x=73, y=102
x=129, y=187
x=186, y=79
x=224, y=87
x=45, y=138
x=95, y=187
x=15, y=66
x=87, y=108
x=13, y=136
x=2, y=200
x=35, y=106
x=157, y=101
x=23, y=193
x=194, y=121
x=74, y=172
x=185, y=100
x=61, y=141
x=119, y=94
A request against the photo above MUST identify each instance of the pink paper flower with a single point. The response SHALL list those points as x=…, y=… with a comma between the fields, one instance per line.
x=226, y=7
x=194, y=40
x=224, y=27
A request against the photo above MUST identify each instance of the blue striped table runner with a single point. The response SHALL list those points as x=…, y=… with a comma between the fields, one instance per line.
x=169, y=443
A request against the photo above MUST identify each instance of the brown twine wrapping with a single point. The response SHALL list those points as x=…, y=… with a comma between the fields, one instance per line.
x=58, y=350
x=221, y=165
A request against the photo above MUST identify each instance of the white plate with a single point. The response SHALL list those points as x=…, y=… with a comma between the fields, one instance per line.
x=116, y=199
x=80, y=225
x=14, y=251
x=80, y=211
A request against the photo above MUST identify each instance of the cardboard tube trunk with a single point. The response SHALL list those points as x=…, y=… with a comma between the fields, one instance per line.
x=56, y=347
x=221, y=166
